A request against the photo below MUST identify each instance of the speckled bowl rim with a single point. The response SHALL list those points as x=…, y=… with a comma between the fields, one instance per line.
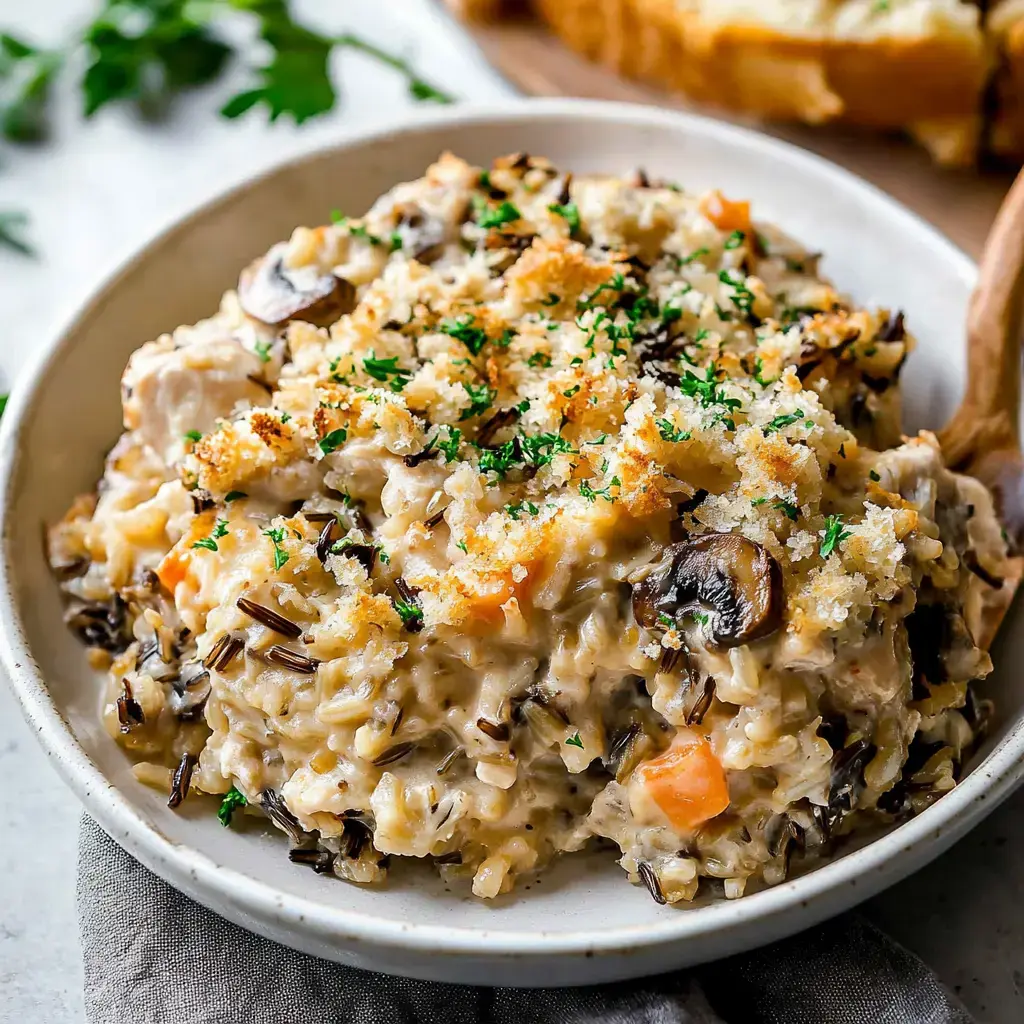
x=800, y=902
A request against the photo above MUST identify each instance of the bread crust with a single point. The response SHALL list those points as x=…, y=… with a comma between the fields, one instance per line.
x=884, y=83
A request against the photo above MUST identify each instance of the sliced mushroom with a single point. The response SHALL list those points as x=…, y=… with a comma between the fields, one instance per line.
x=723, y=578
x=272, y=294
x=423, y=236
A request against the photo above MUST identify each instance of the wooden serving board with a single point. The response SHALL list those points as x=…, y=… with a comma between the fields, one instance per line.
x=960, y=202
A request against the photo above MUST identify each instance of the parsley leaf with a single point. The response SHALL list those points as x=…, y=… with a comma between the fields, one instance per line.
x=234, y=496
x=735, y=240
x=12, y=225
x=280, y=555
x=791, y=511
x=388, y=371
x=210, y=543
x=541, y=359
x=462, y=329
x=411, y=614
x=834, y=533
x=786, y=420
x=193, y=435
x=3, y=403
x=450, y=447
x=521, y=508
x=262, y=349
x=233, y=799
x=574, y=741
x=26, y=74
x=874, y=476
x=505, y=213
x=571, y=213
x=333, y=441
x=669, y=432
x=480, y=399
x=592, y=494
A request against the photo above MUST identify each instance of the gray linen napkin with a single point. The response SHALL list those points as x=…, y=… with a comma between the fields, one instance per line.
x=153, y=956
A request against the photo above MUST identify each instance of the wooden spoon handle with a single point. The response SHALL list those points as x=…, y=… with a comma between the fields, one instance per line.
x=988, y=415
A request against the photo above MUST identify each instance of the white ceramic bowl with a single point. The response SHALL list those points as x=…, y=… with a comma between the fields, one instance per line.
x=582, y=922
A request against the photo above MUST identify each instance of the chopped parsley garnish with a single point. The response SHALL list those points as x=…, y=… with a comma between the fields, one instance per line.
x=333, y=441
x=285, y=417
x=210, y=543
x=780, y=422
x=701, y=617
x=396, y=241
x=743, y=297
x=616, y=283
x=735, y=240
x=480, y=399
x=462, y=329
x=574, y=741
x=834, y=533
x=791, y=511
x=670, y=314
x=388, y=371
x=234, y=496
x=233, y=799
x=410, y=614
x=592, y=494
x=262, y=349
x=280, y=555
x=506, y=339
x=669, y=432
x=501, y=215
x=193, y=435
x=571, y=213
x=692, y=258
x=553, y=299
x=598, y=440
x=541, y=359
x=461, y=545
x=759, y=375
x=541, y=449
x=572, y=391
x=3, y=403
x=874, y=476
x=709, y=392
x=521, y=508
x=449, y=447
x=666, y=620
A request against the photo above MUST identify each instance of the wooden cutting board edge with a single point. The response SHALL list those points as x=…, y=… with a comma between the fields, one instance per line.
x=959, y=202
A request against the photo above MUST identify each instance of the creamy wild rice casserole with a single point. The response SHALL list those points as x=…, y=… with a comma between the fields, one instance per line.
x=530, y=510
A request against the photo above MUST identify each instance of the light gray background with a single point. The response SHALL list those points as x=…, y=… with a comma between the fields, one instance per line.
x=99, y=191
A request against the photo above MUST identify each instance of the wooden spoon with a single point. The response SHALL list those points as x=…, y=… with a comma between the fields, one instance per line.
x=983, y=437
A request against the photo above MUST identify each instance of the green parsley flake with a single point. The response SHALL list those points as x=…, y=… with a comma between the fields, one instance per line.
x=692, y=258
x=780, y=422
x=461, y=545
x=521, y=508
x=462, y=329
x=280, y=555
x=193, y=436
x=333, y=441
x=234, y=496
x=262, y=349
x=233, y=799
x=553, y=299
x=501, y=215
x=874, y=476
x=480, y=399
x=570, y=212
x=574, y=390
x=541, y=359
x=574, y=741
x=210, y=543
x=735, y=240
x=592, y=494
x=669, y=432
x=410, y=614
x=791, y=511
x=388, y=371
x=834, y=533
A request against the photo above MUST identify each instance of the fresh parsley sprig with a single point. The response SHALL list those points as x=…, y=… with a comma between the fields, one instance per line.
x=834, y=534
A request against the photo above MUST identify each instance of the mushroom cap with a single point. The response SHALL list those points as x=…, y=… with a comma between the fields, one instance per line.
x=272, y=294
x=725, y=576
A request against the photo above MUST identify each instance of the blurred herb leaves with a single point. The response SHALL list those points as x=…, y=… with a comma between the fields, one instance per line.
x=147, y=52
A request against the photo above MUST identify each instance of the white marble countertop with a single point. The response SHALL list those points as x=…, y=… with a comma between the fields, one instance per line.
x=99, y=191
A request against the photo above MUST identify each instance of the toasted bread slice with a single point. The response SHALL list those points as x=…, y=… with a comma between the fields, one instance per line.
x=885, y=63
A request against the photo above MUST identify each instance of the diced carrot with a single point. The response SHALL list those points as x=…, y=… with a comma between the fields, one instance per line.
x=726, y=214
x=687, y=782
x=175, y=564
